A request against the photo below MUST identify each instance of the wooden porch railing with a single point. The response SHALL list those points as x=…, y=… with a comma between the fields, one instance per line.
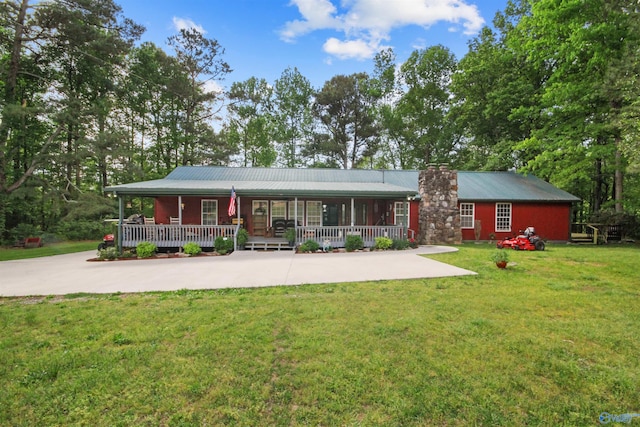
x=174, y=236
x=336, y=235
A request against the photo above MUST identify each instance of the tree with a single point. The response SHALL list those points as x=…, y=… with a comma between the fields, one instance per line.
x=56, y=65
x=344, y=108
x=581, y=45
x=496, y=96
x=250, y=124
x=293, y=116
x=424, y=106
x=201, y=60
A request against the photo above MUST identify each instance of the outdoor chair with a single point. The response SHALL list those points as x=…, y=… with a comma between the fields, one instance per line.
x=279, y=225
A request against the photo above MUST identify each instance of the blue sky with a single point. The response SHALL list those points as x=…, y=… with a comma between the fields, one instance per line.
x=322, y=38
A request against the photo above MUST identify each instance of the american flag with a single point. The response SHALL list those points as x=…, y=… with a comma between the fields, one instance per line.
x=232, y=203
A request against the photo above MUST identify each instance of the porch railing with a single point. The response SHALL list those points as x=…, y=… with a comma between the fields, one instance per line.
x=174, y=236
x=337, y=235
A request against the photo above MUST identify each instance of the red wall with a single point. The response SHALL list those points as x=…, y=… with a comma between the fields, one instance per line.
x=552, y=221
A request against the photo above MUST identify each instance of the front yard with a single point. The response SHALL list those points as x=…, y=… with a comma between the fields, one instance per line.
x=551, y=340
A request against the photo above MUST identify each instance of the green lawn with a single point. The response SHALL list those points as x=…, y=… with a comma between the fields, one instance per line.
x=7, y=254
x=549, y=341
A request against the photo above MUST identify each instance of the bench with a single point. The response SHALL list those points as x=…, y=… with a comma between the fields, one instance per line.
x=32, y=242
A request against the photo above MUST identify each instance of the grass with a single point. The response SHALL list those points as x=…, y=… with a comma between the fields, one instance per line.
x=551, y=340
x=9, y=254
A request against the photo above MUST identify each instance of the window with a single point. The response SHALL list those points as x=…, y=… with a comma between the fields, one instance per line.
x=259, y=207
x=314, y=213
x=278, y=209
x=503, y=216
x=399, y=213
x=361, y=214
x=292, y=211
x=467, y=215
x=209, y=212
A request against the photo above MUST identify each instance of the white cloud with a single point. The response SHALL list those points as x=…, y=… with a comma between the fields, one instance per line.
x=186, y=23
x=358, y=49
x=367, y=23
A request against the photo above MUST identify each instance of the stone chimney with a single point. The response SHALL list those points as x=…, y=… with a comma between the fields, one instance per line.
x=439, y=213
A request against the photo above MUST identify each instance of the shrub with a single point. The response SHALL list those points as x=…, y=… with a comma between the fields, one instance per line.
x=290, y=234
x=110, y=253
x=304, y=248
x=83, y=230
x=312, y=245
x=353, y=243
x=383, y=243
x=145, y=249
x=223, y=245
x=192, y=248
x=400, y=244
x=22, y=231
x=242, y=237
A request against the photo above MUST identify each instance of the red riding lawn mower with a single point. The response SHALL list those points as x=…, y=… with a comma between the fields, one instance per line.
x=108, y=240
x=527, y=241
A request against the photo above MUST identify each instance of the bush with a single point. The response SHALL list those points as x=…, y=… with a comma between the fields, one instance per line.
x=400, y=244
x=192, y=248
x=109, y=253
x=145, y=249
x=383, y=243
x=242, y=237
x=83, y=230
x=312, y=245
x=223, y=245
x=353, y=243
x=22, y=231
x=304, y=248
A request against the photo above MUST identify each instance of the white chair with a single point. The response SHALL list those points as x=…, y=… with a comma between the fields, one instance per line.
x=174, y=220
x=149, y=221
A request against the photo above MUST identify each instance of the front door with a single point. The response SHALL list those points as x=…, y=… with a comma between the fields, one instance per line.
x=330, y=214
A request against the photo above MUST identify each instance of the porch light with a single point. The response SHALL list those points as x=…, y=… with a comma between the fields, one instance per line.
x=182, y=206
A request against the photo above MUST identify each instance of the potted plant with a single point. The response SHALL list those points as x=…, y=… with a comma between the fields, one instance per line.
x=290, y=235
x=500, y=257
x=242, y=238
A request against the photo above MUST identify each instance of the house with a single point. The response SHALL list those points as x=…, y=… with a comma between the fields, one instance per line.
x=192, y=204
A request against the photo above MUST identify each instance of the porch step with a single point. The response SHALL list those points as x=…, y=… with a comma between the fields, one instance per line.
x=268, y=244
x=581, y=238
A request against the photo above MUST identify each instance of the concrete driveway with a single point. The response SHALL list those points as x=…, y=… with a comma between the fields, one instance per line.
x=71, y=273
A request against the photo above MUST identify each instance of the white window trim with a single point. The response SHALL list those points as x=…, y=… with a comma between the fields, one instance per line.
x=215, y=219
x=473, y=215
x=404, y=214
x=504, y=230
x=307, y=211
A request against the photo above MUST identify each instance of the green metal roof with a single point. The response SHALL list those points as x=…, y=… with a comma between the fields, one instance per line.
x=217, y=181
x=508, y=186
x=211, y=180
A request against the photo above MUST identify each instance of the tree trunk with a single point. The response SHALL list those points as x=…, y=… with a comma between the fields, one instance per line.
x=618, y=180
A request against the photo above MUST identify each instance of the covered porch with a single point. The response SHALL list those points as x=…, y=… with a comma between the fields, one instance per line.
x=200, y=204
x=176, y=236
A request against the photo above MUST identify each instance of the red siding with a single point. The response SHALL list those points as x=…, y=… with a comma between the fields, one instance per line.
x=551, y=220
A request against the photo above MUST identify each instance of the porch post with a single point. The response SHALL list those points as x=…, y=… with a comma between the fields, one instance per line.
x=180, y=209
x=235, y=233
x=353, y=212
x=295, y=215
x=120, y=215
x=406, y=219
